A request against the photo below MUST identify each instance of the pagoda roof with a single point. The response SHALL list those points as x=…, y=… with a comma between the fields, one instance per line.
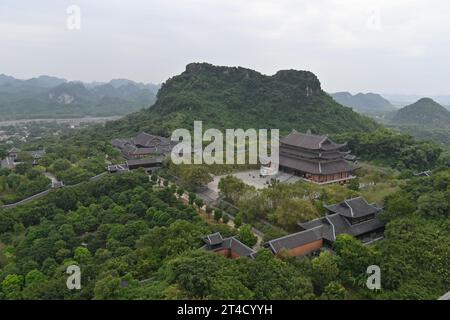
x=313, y=154
x=353, y=208
x=148, y=161
x=310, y=141
x=148, y=140
x=317, y=167
x=326, y=228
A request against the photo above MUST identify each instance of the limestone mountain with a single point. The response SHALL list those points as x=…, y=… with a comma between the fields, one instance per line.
x=368, y=103
x=236, y=97
x=425, y=112
x=49, y=97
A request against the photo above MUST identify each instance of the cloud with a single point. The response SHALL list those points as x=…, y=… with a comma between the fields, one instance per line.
x=352, y=45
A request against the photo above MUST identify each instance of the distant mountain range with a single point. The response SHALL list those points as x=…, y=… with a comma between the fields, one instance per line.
x=424, y=112
x=368, y=103
x=235, y=97
x=50, y=97
x=402, y=100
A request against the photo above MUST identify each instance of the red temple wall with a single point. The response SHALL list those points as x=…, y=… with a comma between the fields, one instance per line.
x=307, y=248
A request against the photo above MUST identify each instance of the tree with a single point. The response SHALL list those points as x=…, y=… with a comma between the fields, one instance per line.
x=398, y=205
x=23, y=168
x=180, y=191
x=324, y=270
x=107, y=288
x=354, y=184
x=12, y=286
x=199, y=202
x=192, y=197
x=291, y=211
x=238, y=220
x=232, y=188
x=82, y=255
x=334, y=291
x=225, y=218
x=218, y=214
x=353, y=256
x=246, y=236
x=433, y=205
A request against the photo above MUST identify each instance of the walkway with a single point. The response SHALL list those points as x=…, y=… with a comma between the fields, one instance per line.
x=39, y=195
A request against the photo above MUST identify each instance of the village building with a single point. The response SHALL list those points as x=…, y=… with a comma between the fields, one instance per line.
x=143, y=145
x=57, y=184
x=150, y=164
x=37, y=155
x=13, y=153
x=7, y=163
x=316, y=158
x=355, y=217
x=228, y=247
x=117, y=168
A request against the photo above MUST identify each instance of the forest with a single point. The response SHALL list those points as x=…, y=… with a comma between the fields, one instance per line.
x=134, y=239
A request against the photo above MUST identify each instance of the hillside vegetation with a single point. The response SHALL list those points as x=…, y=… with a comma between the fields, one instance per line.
x=366, y=103
x=235, y=97
x=425, y=112
x=50, y=97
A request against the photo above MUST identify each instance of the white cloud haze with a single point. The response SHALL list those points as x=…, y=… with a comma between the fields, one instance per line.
x=381, y=46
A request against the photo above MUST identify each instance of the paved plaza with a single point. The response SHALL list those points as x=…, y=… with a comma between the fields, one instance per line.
x=253, y=178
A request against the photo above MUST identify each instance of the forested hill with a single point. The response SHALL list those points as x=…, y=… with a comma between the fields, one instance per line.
x=425, y=112
x=235, y=97
x=369, y=103
x=50, y=97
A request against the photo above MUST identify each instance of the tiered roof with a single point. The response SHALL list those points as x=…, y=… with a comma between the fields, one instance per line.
x=145, y=140
x=330, y=226
x=310, y=141
x=353, y=208
x=314, y=154
x=143, y=144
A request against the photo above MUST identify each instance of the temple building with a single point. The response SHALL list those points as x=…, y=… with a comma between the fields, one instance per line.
x=316, y=158
x=355, y=217
x=143, y=145
x=229, y=247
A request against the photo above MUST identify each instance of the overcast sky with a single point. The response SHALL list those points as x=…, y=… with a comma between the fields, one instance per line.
x=386, y=46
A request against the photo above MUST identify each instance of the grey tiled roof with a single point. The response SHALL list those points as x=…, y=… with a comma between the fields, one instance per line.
x=317, y=167
x=238, y=247
x=354, y=208
x=148, y=140
x=234, y=245
x=311, y=224
x=330, y=226
x=296, y=239
x=153, y=160
x=119, y=143
x=309, y=141
x=213, y=239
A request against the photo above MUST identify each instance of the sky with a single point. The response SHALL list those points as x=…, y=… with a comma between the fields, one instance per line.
x=384, y=46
